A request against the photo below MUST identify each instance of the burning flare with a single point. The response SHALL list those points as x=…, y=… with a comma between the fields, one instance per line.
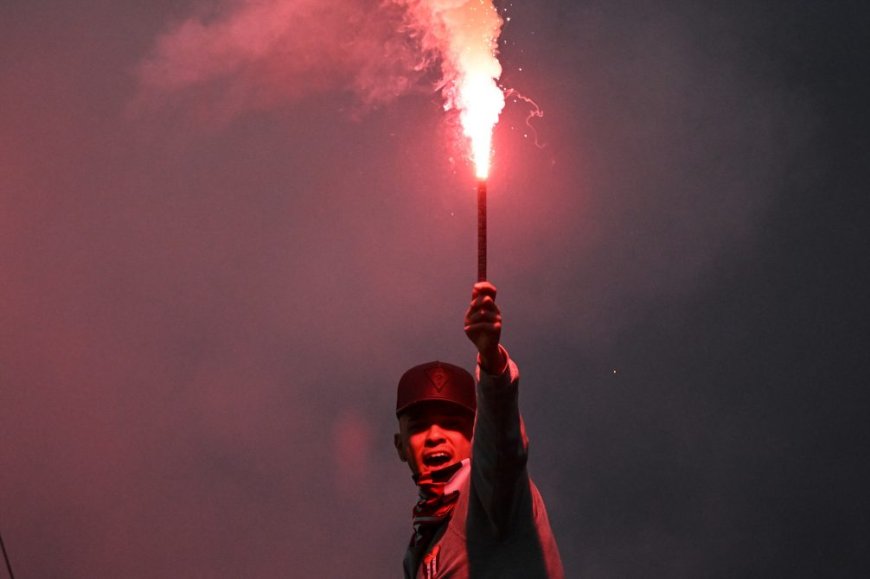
x=464, y=34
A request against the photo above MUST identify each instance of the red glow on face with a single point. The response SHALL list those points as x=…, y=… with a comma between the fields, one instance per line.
x=435, y=436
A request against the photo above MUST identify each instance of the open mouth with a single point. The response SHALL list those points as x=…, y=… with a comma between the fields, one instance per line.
x=436, y=459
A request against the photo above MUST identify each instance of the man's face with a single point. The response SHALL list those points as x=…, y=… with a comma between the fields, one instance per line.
x=433, y=435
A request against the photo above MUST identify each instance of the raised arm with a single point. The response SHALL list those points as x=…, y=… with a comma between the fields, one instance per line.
x=500, y=447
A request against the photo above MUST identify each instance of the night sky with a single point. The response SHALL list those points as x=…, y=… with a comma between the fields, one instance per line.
x=227, y=228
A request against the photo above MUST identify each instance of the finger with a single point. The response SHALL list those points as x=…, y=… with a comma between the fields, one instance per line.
x=483, y=301
x=483, y=314
x=483, y=288
x=488, y=311
x=483, y=319
x=483, y=328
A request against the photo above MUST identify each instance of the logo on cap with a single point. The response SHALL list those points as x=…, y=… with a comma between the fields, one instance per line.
x=435, y=381
x=438, y=376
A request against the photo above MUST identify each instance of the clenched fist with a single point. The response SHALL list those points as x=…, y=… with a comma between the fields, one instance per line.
x=483, y=327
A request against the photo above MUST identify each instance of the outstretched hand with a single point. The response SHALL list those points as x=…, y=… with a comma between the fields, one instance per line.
x=483, y=326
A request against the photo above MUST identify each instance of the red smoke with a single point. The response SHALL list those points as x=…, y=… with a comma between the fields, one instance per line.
x=252, y=54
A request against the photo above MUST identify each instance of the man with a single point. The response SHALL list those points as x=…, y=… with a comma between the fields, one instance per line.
x=479, y=514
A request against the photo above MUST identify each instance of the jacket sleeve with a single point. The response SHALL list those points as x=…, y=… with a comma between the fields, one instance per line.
x=499, y=477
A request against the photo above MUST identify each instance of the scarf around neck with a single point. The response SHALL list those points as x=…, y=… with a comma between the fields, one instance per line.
x=439, y=492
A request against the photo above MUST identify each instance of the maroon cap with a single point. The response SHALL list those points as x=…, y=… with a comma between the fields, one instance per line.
x=436, y=381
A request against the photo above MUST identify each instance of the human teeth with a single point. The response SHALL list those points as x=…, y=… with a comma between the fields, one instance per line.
x=437, y=456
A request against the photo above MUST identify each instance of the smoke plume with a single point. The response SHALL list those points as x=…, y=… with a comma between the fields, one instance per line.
x=256, y=54
x=463, y=36
x=253, y=54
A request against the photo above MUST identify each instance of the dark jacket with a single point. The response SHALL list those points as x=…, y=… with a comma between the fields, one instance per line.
x=499, y=528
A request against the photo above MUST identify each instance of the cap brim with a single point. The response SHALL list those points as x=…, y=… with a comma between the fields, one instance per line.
x=433, y=399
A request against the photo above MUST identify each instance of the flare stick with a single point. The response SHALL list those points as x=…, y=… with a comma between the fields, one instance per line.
x=481, y=230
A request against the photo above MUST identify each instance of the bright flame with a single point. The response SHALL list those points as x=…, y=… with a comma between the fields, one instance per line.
x=464, y=33
x=481, y=101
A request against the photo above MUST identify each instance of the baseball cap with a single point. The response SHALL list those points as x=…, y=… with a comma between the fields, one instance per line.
x=436, y=381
